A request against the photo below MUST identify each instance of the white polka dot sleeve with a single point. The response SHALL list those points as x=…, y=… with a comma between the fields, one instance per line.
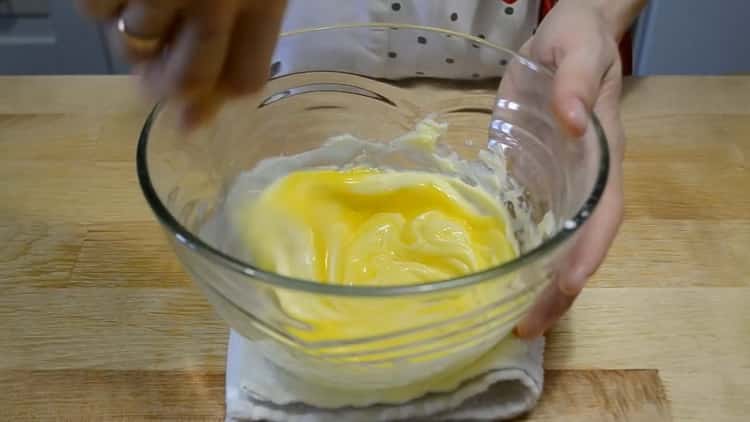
x=395, y=54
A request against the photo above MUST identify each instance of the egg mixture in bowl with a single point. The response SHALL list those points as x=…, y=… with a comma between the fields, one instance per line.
x=371, y=235
x=360, y=224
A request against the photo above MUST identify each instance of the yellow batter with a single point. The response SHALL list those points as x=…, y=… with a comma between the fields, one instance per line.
x=370, y=227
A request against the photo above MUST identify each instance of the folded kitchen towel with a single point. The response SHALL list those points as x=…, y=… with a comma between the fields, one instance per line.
x=504, y=383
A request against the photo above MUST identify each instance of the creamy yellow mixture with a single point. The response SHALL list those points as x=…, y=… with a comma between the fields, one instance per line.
x=368, y=227
x=371, y=227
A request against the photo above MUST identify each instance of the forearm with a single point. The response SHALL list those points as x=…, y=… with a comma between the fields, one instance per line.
x=619, y=14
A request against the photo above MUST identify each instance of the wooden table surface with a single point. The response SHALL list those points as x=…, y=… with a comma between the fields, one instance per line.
x=98, y=321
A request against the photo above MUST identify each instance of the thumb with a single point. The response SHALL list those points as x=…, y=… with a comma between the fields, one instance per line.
x=577, y=81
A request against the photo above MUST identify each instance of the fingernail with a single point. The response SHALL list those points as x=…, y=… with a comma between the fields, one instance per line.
x=577, y=115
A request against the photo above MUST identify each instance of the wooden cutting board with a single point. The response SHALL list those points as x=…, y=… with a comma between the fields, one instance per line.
x=98, y=321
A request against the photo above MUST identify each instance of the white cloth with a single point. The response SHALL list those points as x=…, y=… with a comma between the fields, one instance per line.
x=504, y=383
x=406, y=53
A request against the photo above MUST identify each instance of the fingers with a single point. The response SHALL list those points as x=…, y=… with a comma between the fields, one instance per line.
x=150, y=18
x=197, y=54
x=595, y=239
x=256, y=31
x=146, y=19
x=599, y=232
x=580, y=71
x=596, y=235
x=190, y=68
x=195, y=50
x=589, y=252
x=607, y=108
x=100, y=9
x=201, y=110
x=549, y=307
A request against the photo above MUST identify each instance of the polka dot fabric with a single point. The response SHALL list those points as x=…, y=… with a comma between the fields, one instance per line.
x=395, y=54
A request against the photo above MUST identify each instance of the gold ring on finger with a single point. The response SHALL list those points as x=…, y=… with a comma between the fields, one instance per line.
x=140, y=43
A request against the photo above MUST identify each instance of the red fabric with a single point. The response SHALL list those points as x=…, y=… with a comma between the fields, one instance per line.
x=546, y=7
x=626, y=44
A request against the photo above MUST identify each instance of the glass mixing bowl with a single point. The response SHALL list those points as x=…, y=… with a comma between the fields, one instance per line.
x=555, y=181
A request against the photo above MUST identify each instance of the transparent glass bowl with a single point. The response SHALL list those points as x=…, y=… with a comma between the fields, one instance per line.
x=185, y=179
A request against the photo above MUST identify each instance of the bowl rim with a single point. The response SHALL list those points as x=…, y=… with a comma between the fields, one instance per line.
x=193, y=242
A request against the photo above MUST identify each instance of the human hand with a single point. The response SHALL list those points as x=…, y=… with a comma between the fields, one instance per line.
x=579, y=42
x=200, y=52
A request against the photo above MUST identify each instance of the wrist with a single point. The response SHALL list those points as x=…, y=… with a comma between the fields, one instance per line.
x=618, y=15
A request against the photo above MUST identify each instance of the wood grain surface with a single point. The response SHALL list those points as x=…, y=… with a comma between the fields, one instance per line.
x=98, y=321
